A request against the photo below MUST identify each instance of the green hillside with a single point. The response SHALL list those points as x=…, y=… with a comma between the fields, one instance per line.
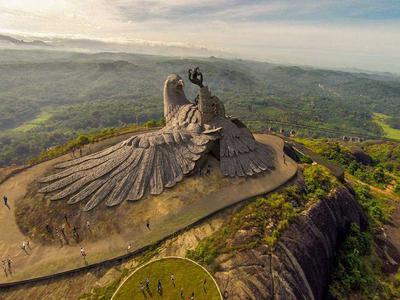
x=47, y=98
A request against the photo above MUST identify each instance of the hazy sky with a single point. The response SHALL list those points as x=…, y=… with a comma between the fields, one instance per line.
x=332, y=33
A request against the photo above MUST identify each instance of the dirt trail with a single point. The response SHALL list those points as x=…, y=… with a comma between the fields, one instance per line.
x=44, y=260
x=386, y=192
x=15, y=188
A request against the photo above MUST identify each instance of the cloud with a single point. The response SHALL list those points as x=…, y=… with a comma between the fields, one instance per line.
x=359, y=33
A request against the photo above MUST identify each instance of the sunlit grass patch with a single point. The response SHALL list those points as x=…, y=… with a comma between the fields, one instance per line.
x=390, y=132
x=42, y=118
x=189, y=277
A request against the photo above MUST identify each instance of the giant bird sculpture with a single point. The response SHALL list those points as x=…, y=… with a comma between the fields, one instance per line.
x=150, y=162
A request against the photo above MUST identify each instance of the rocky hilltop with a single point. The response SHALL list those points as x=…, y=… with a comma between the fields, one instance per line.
x=284, y=245
x=300, y=265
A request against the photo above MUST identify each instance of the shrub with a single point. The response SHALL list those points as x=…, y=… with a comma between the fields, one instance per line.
x=353, y=273
x=377, y=207
x=318, y=181
x=397, y=188
x=379, y=175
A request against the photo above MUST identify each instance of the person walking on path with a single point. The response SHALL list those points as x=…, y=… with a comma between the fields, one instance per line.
x=148, y=224
x=147, y=284
x=182, y=294
x=5, y=201
x=129, y=247
x=9, y=265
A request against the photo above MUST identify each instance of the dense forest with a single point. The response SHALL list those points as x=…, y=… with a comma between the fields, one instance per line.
x=50, y=97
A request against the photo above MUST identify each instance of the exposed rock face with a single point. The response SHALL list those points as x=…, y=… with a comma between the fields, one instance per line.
x=387, y=251
x=361, y=156
x=289, y=151
x=301, y=263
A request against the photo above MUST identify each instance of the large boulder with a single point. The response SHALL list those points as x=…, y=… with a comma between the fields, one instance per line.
x=361, y=156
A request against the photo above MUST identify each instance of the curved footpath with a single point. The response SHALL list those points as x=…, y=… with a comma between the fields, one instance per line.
x=52, y=260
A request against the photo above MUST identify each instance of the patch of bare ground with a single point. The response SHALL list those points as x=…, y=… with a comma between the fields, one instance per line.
x=101, y=282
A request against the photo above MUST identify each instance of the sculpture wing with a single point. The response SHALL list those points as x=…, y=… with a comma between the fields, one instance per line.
x=240, y=154
x=148, y=162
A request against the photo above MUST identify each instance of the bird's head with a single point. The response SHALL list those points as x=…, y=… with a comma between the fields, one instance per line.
x=173, y=94
x=174, y=85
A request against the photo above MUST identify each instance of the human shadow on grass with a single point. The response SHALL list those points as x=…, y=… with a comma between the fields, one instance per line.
x=144, y=294
x=149, y=292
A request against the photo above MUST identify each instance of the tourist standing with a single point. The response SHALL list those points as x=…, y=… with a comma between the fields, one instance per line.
x=148, y=224
x=66, y=220
x=88, y=226
x=5, y=201
x=75, y=234
x=49, y=229
x=9, y=265
x=83, y=254
x=4, y=265
x=159, y=286
x=173, y=279
x=23, y=247
x=60, y=237
x=63, y=234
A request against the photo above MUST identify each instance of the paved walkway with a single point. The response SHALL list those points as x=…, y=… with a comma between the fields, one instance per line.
x=44, y=260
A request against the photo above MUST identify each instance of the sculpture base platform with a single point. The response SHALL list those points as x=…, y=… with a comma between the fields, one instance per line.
x=111, y=229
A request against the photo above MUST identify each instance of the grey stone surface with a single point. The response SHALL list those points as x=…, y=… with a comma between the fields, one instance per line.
x=150, y=162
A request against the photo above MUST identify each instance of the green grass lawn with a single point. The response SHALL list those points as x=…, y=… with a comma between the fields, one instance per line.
x=390, y=132
x=188, y=276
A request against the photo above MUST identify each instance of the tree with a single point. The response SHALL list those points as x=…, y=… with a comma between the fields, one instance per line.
x=379, y=175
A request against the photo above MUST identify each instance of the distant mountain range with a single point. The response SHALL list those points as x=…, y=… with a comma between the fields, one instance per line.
x=96, y=45
x=6, y=40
